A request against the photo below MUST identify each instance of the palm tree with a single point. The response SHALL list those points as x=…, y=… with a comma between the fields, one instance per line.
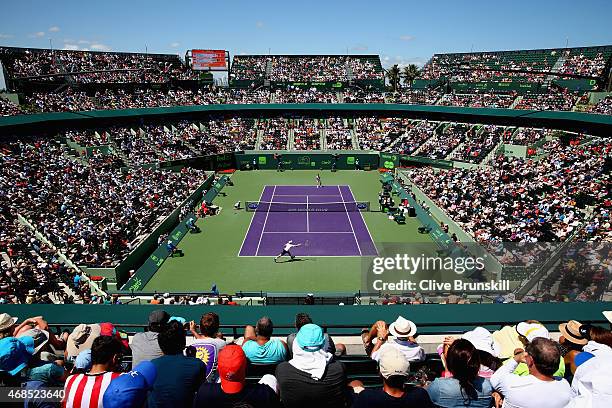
x=393, y=75
x=410, y=73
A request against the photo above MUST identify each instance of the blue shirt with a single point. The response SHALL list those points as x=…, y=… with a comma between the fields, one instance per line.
x=272, y=352
x=447, y=393
x=178, y=379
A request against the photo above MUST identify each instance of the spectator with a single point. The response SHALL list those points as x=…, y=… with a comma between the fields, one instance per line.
x=394, y=370
x=145, y=345
x=182, y=376
x=311, y=378
x=209, y=336
x=402, y=330
x=260, y=347
x=539, y=389
x=528, y=332
x=465, y=388
x=300, y=320
x=86, y=390
x=232, y=390
x=129, y=390
x=571, y=342
x=15, y=354
x=41, y=378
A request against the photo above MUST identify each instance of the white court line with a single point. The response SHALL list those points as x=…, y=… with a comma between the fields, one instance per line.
x=365, y=223
x=250, y=223
x=264, y=226
x=307, y=217
x=350, y=222
x=302, y=195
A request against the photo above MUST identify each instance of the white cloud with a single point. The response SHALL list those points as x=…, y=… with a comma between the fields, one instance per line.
x=39, y=34
x=71, y=47
x=5, y=36
x=406, y=37
x=54, y=29
x=175, y=44
x=259, y=24
x=100, y=47
x=84, y=42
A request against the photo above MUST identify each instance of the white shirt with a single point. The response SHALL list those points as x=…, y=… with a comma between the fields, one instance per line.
x=288, y=246
x=412, y=351
x=529, y=391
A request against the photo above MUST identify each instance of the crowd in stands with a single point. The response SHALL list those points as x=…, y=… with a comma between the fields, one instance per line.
x=604, y=106
x=8, y=108
x=298, y=95
x=522, y=200
x=379, y=133
x=275, y=133
x=176, y=363
x=444, y=143
x=94, y=67
x=415, y=97
x=91, y=212
x=67, y=101
x=584, y=64
x=526, y=136
x=479, y=144
x=307, y=134
x=418, y=132
x=359, y=96
x=305, y=68
x=477, y=100
x=338, y=134
x=562, y=101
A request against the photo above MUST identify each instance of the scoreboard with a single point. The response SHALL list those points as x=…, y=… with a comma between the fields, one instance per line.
x=205, y=60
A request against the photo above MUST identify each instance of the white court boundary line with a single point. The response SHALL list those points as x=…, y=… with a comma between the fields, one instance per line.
x=251, y=223
x=350, y=222
x=265, y=221
x=366, y=224
x=307, y=232
x=307, y=217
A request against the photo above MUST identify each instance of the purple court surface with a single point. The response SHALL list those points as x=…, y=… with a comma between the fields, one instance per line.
x=329, y=233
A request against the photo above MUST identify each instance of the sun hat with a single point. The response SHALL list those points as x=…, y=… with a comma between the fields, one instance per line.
x=571, y=332
x=402, y=327
x=393, y=362
x=608, y=315
x=231, y=365
x=310, y=337
x=81, y=338
x=6, y=321
x=15, y=353
x=532, y=331
x=129, y=390
x=482, y=339
x=40, y=337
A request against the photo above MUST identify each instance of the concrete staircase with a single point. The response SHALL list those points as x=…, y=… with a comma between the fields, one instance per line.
x=290, y=139
x=516, y=102
x=323, y=135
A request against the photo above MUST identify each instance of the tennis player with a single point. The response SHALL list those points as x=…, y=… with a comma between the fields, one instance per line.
x=286, y=250
x=318, y=179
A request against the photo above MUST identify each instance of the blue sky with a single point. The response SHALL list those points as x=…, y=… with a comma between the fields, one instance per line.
x=399, y=31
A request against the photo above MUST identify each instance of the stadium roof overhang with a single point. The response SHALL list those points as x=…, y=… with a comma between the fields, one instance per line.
x=48, y=123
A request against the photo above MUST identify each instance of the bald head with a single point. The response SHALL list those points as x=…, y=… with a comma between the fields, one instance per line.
x=545, y=355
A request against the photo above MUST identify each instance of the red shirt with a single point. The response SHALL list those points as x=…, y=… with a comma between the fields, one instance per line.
x=86, y=390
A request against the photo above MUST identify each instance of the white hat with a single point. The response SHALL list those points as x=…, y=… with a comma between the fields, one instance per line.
x=402, y=327
x=393, y=362
x=482, y=339
x=608, y=315
x=6, y=321
x=532, y=330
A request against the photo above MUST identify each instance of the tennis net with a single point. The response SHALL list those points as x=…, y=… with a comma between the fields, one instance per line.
x=267, y=206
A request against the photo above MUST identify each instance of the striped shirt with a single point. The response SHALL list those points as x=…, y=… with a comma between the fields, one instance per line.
x=86, y=390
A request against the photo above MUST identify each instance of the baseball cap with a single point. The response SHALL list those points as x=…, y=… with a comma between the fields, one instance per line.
x=40, y=337
x=158, y=317
x=532, y=331
x=231, y=364
x=393, y=362
x=130, y=389
x=15, y=353
x=81, y=338
x=310, y=337
x=83, y=360
x=482, y=339
x=109, y=329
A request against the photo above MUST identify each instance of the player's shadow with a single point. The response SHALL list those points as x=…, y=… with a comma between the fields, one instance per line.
x=294, y=260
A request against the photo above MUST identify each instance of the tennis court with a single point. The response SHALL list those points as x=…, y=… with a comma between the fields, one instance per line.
x=327, y=222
